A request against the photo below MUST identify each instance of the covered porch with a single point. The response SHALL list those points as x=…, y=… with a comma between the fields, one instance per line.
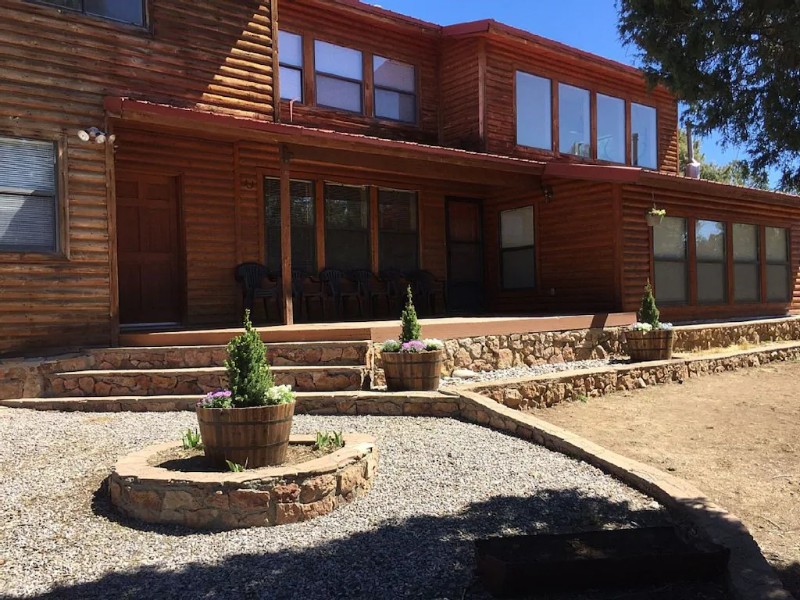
x=199, y=194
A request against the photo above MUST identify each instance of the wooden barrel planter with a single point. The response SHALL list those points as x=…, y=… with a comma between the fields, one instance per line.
x=412, y=371
x=644, y=346
x=253, y=437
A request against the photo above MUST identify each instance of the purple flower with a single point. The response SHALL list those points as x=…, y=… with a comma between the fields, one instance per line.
x=413, y=346
x=218, y=399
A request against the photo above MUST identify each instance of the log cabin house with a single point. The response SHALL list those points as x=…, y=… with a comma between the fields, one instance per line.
x=305, y=134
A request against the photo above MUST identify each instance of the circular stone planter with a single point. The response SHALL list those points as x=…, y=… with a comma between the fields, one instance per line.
x=255, y=498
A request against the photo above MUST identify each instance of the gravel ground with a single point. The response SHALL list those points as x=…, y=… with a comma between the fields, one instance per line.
x=410, y=537
x=533, y=371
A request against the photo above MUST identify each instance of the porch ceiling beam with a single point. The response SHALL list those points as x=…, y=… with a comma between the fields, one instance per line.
x=422, y=169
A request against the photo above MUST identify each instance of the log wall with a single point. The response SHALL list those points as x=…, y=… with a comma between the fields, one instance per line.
x=57, y=66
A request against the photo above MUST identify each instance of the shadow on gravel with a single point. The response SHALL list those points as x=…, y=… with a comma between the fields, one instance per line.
x=420, y=557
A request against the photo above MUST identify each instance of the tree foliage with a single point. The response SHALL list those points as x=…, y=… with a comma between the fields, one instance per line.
x=736, y=172
x=411, y=327
x=736, y=63
x=648, y=311
x=249, y=375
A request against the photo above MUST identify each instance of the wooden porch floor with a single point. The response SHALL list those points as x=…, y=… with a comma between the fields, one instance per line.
x=378, y=331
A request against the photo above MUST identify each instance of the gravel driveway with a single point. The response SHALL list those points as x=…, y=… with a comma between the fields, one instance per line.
x=440, y=484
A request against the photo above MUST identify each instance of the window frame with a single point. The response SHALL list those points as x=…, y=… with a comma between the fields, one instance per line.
x=144, y=25
x=592, y=130
x=380, y=230
x=384, y=88
x=550, y=120
x=61, y=246
x=503, y=250
x=686, y=261
x=625, y=105
x=629, y=118
x=289, y=66
x=360, y=83
x=725, y=262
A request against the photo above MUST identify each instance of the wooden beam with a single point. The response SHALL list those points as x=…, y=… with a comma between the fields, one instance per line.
x=286, y=238
x=319, y=210
x=374, y=226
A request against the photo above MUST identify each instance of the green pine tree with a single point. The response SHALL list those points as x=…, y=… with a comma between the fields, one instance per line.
x=411, y=327
x=249, y=376
x=648, y=312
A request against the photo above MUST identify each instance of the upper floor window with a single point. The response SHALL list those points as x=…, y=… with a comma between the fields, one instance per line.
x=644, y=143
x=610, y=129
x=574, y=125
x=28, y=196
x=395, y=90
x=534, y=111
x=339, y=77
x=124, y=11
x=290, y=47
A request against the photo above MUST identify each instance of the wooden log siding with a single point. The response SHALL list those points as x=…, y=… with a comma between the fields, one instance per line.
x=574, y=241
x=637, y=242
x=57, y=68
x=460, y=94
x=506, y=57
x=414, y=44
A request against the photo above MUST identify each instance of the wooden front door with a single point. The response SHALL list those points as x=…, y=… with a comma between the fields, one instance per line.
x=464, y=256
x=148, y=249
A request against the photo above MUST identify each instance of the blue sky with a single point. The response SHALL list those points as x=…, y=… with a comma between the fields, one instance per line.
x=590, y=25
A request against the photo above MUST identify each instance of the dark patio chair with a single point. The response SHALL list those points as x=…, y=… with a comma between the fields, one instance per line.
x=257, y=282
x=341, y=289
x=372, y=289
x=426, y=288
x=396, y=285
x=306, y=288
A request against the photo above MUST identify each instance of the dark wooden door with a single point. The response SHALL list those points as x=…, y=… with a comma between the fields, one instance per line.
x=464, y=256
x=148, y=249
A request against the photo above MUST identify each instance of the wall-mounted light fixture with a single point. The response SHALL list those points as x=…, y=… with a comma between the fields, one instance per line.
x=547, y=192
x=93, y=134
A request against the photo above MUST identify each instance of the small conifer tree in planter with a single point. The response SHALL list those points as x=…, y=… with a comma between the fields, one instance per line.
x=249, y=423
x=650, y=339
x=411, y=363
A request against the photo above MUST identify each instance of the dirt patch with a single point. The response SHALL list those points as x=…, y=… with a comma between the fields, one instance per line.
x=734, y=435
x=192, y=460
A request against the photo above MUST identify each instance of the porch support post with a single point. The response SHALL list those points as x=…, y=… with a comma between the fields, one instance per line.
x=286, y=236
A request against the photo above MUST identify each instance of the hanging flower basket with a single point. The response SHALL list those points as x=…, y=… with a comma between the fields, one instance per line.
x=654, y=216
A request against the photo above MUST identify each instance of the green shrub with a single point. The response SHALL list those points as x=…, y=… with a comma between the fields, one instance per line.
x=191, y=439
x=411, y=327
x=648, y=312
x=249, y=376
x=329, y=441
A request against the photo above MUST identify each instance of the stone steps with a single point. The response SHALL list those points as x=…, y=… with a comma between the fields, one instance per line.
x=316, y=402
x=279, y=355
x=194, y=381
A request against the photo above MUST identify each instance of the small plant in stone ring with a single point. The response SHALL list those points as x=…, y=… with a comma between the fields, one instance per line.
x=192, y=440
x=236, y=467
x=330, y=441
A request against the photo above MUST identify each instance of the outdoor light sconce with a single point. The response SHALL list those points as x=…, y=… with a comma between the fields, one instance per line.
x=95, y=135
x=547, y=192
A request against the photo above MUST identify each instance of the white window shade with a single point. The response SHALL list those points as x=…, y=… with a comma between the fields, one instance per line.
x=516, y=227
x=28, y=206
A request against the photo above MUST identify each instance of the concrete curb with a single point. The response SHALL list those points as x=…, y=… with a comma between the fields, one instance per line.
x=750, y=576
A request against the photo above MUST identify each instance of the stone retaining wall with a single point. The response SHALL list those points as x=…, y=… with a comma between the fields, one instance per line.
x=547, y=390
x=257, y=498
x=691, y=338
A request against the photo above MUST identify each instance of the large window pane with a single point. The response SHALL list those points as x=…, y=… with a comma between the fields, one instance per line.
x=28, y=202
x=644, y=142
x=338, y=61
x=396, y=106
x=746, y=268
x=671, y=282
x=534, y=111
x=711, y=282
x=610, y=129
x=398, y=243
x=347, y=243
x=394, y=75
x=710, y=240
x=669, y=239
x=669, y=254
x=127, y=11
x=304, y=245
x=338, y=93
x=574, y=121
x=778, y=283
x=290, y=46
x=291, y=83
x=777, y=246
x=747, y=283
x=517, y=251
